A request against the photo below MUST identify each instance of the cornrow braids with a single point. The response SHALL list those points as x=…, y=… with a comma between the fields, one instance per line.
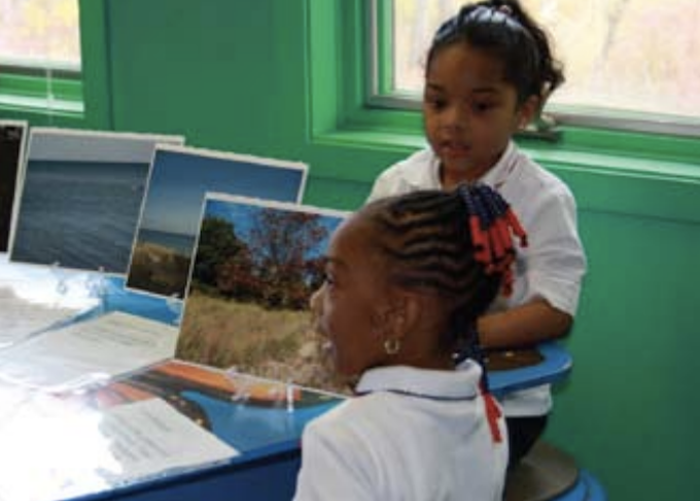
x=458, y=244
x=503, y=28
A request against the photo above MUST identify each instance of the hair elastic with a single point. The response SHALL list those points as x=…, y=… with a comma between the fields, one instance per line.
x=506, y=10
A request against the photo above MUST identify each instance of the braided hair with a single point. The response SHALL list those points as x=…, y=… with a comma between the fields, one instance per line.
x=505, y=30
x=457, y=244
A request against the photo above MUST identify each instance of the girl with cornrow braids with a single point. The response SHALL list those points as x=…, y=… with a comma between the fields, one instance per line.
x=488, y=73
x=406, y=277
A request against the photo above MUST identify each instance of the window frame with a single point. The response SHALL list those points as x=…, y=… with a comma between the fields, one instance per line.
x=379, y=16
x=64, y=96
x=342, y=113
x=41, y=88
x=611, y=171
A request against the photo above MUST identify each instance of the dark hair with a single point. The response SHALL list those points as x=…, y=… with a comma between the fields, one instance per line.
x=505, y=30
x=457, y=244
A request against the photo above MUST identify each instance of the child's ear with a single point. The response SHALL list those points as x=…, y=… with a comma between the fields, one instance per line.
x=528, y=111
x=405, y=313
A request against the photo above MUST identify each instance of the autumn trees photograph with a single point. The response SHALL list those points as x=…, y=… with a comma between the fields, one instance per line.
x=255, y=268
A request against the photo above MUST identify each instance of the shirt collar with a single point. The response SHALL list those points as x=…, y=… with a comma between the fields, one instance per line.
x=463, y=383
x=420, y=177
x=495, y=177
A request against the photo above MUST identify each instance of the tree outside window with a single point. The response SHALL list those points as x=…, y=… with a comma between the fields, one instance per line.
x=40, y=33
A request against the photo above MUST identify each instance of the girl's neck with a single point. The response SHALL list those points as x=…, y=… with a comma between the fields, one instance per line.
x=432, y=361
x=450, y=179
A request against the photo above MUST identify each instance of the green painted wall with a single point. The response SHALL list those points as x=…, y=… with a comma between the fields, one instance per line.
x=236, y=76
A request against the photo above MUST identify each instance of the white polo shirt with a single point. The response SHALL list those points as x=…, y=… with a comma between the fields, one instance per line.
x=551, y=267
x=415, y=434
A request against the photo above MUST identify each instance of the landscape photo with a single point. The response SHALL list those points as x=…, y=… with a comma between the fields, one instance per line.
x=178, y=181
x=256, y=265
x=12, y=139
x=81, y=198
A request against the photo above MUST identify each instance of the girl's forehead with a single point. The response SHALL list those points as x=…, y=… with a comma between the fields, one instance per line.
x=350, y=235
x=469, y=65
x=354, y=242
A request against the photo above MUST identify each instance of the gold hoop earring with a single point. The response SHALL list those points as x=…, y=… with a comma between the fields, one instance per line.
x=392, y=346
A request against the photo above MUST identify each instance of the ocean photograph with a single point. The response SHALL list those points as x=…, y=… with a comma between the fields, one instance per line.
x=178, y=181
x=79, y=215
x=256, y=265
x=81, y=197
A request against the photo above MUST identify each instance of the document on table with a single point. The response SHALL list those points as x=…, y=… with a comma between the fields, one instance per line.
x=88, y=352
x=51, y=451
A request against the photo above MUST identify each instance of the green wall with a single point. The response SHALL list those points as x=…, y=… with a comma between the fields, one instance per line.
x=237, y=76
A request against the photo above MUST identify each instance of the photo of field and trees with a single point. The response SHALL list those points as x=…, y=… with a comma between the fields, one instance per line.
x=256, y=266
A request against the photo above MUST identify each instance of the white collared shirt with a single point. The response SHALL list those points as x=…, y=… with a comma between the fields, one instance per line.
x=551, y=267
x=415, y=434
x=553, y=264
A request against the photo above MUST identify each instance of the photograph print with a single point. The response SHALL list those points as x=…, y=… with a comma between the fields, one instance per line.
x=256, y=265
x=178, y=181
x=12, y=139
x=81, y=197
x=248, y=413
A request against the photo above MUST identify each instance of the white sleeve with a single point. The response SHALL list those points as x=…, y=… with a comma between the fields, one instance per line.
x=384, y=186
x=333, y=467
x=556, y=262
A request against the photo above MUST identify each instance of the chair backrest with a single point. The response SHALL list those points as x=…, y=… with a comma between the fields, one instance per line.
x=510, y=371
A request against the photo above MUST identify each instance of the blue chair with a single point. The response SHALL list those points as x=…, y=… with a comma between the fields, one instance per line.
x=554, y=367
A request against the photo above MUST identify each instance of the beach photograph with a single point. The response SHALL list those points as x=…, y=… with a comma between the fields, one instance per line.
x=256, y=265
x=81, y=198
x=177, y=183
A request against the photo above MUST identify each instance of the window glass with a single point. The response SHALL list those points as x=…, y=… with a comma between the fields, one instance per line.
x=629, y=55
x=40, y=33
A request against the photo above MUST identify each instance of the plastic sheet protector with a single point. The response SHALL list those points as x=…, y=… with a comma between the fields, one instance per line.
x=59, y=449
x=34, y=298
x=86, y=353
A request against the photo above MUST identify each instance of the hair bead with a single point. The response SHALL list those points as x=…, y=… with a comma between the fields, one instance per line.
x=492, y=224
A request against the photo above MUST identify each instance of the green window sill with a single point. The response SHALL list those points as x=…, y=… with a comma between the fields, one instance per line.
x=628, y=173
x=30, y=94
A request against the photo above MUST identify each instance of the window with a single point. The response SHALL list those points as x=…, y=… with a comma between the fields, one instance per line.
x=40, y=33
x=40, y=59
x=631, y=60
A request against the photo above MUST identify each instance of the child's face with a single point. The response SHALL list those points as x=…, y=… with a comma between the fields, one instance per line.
x=469, y=111
x=352, y=299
